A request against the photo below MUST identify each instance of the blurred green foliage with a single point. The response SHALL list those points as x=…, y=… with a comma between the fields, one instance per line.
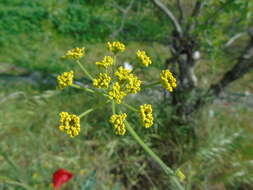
x=35, y=33
x=28, y=28
x=84, y=20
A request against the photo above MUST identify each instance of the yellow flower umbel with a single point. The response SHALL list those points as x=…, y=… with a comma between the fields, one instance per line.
x=65, y=79
x=133, y=84
x=115, y=47
x=118, y=125
x=168, y=80
x=75, y=53
x=106, y=62
x=145, y=113
x=116, y=93
x=143, y=58
x=102, y=81
x=70, y=124
x=122, y=73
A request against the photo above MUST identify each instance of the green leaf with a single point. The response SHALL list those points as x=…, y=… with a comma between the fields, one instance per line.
x=90, y=181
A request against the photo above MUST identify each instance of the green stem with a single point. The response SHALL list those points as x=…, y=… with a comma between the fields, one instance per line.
x=86, y=112
x=82, y=88
x=129, y=107
x=114, y=66
x=166, y=169
x=92, y=109
x=88, y=90
x=151, y=84
x=84, y=70
x=113, y=107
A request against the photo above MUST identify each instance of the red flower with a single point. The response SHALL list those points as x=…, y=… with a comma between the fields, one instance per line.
x=61, y=176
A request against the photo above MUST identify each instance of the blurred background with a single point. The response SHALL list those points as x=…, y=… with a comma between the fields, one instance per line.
x=204, y=128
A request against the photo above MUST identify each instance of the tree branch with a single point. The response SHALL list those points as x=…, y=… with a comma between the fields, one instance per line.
x=181, y=12
x=198, y=6
x=244, y=65
x=171, y=16
x=123, y=20
x=196, y=11
x=234, y=38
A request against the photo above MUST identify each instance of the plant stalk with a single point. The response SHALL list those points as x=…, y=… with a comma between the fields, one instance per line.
x=113, y=107
x=92, y=109
x=129, y=107
x=166, y=169
x=84, y=70
x=151, y=84
x=82, y=88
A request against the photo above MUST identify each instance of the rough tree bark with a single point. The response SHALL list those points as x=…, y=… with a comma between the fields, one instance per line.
x=187, y=97
x=244, y=64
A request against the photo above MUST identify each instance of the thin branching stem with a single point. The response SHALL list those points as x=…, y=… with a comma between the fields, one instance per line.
x=167, y=170
x=113, y=107
x=151, y=84
x=84, y=70
x=130, y=107
x=92, y=109
x=82, y=88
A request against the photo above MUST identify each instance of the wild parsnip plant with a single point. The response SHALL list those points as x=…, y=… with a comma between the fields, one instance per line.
x=115, y=83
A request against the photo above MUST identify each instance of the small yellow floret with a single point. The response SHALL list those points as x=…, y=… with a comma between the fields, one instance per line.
x=143, y=58
x=118, y=125
x=75, y=53
x=121, y=73
x=69, y=123
x=106, y=62
x=168, y=80
x=116, y=93
x=146, y=116
x=115, y=47
x=65, y=79
x=180, y=175
x=133, y=84
x=102, y=81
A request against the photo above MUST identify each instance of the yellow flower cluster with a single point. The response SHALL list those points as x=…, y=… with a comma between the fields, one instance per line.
x=145, y=113
x=143, y=58
x=168, y=80
x=75, y=53
x=133, y=84
x=122, y=73
x=116, y=93
x=118, y=125
x=106, y=62
x=65, y=79
x=102, y=81
x=70, y=124
x=115, y=47
x=118, y=85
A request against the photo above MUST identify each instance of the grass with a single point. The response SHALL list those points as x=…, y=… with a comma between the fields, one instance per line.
x=34, y=145
x=37, y=148
x=32, y=148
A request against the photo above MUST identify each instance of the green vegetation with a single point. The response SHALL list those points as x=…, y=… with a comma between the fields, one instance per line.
x=57, y=26
x=34, y=34
x=32, y=142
